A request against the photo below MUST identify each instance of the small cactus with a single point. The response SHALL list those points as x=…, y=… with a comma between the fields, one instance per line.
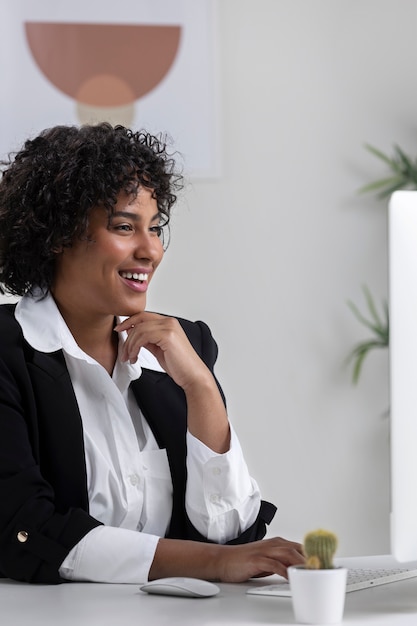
x=319, y=548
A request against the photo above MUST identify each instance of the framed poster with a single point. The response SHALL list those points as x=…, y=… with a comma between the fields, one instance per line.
x=142, y=63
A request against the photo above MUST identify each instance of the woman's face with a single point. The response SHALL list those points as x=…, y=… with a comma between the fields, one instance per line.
x=107, y=271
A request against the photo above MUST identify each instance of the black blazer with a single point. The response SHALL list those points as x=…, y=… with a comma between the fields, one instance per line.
x=43, y=482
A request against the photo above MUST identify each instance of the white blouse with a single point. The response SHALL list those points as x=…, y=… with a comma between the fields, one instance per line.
x=128, y=477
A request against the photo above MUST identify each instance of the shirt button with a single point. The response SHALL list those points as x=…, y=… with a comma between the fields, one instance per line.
x=22, y=536
x=215, y=498
x=216, y=471
x=134, y=480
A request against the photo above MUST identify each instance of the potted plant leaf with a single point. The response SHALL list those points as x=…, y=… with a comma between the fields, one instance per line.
x=318, y=588
x=401, y=174
x=375, y=322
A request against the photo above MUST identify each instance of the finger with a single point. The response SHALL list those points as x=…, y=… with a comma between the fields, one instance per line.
x=272, y=566
x=284, y=561
x=287, y=556
x=285, y=543
x=130, y=351
x=137, y=319
x=291, y=554
x=125, y=325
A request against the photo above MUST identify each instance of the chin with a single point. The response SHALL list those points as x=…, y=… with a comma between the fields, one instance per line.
x=131, y=309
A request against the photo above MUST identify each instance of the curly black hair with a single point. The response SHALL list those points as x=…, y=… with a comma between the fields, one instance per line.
x=48, y=190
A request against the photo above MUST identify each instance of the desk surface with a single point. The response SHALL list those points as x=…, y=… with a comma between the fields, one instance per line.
x=88, y=604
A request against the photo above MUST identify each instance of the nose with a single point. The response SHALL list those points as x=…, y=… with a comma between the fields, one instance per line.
x=148, y=246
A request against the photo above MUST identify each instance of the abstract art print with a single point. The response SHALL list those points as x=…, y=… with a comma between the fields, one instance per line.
x=141, y=63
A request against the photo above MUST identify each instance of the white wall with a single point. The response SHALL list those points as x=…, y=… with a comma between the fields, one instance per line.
x=269, y=253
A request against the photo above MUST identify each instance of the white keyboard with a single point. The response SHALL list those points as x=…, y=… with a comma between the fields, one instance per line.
x=357, y=579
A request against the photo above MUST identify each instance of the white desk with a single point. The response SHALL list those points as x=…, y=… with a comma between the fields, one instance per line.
x=86, y=604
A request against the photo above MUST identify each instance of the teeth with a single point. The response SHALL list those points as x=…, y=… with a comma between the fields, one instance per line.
x=129, y=275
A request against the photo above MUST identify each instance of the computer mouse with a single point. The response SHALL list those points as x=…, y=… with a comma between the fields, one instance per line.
x=179, y=586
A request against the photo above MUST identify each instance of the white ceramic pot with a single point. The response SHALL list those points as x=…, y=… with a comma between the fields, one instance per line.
x=318, y=596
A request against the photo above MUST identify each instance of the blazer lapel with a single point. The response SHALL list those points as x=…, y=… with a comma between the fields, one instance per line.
x=61, y=452
x=164, y=407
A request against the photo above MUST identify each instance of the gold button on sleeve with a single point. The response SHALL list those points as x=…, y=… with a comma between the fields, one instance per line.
x=22, y=536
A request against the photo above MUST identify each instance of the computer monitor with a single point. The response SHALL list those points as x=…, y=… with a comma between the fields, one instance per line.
x=402, y=232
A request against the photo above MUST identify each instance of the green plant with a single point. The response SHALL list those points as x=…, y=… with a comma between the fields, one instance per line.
x=403, y=173
x=379, y=325
x=319, y=548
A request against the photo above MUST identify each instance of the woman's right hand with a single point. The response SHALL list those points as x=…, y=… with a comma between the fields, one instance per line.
x=225, y=563
x=259, y=558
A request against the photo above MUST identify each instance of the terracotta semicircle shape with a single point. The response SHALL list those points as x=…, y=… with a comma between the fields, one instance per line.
x=103, y=65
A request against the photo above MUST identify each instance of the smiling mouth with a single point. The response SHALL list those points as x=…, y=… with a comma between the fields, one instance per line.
x=140, y=278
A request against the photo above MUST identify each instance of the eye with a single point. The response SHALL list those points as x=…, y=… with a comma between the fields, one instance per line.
x=161, y=230
x=123, y=227
x=157, y=230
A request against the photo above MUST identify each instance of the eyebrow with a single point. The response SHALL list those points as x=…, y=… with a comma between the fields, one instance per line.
x=133, y=216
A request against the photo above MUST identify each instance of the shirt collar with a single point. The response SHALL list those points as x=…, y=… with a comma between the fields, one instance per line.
x=45, y=330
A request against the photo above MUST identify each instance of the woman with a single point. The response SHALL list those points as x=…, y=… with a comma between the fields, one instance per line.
x=117, y=459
